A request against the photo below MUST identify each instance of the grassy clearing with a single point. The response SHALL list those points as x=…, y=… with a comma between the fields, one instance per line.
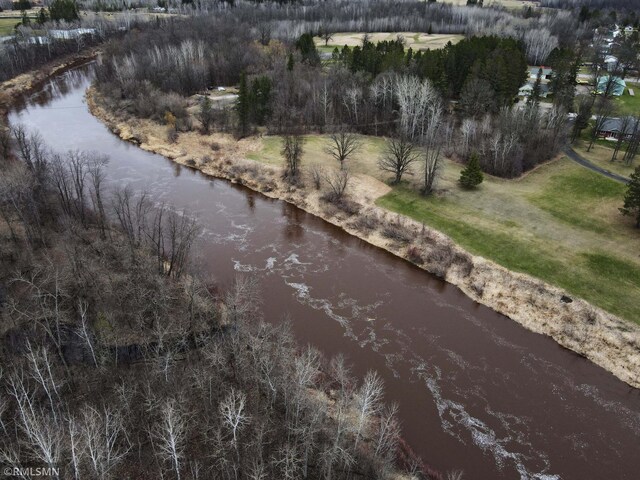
x=7, y=26
x=559, y=223
x=415, y=40
x=315, y=153
x=626, y=104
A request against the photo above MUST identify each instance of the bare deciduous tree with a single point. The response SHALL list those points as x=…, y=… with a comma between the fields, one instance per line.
x=232, y=410
x=292, y=150
x=170, y=435
x=432, y=146
x=343, y=145
x=84, y=329
x=604, y=108
x=337, y=181
x=325, y=33
x=398, y=156
x=368, y=401
x=103, y=439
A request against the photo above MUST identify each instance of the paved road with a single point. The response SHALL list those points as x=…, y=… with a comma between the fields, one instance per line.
x=573, y=155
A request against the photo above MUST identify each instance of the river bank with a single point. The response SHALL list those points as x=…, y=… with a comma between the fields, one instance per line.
x=605, y=339
x=28, y=82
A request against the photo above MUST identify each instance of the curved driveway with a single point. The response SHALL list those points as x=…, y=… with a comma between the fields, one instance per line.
x=576, y=157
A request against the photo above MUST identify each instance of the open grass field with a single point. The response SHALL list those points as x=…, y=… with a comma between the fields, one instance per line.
x=7, y=25
x=414, y=40
x=559, y=223
x=626, y=104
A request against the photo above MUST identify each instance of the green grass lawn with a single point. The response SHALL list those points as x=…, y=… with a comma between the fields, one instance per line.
x=560, y=224
x=7, y=25
x=626, y=104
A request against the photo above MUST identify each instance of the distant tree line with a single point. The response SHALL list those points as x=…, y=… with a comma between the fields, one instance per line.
x=599, y=4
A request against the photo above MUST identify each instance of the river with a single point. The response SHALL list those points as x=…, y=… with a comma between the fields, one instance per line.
x=477, y=392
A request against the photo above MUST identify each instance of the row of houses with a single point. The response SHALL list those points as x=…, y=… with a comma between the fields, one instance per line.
x=611, y=85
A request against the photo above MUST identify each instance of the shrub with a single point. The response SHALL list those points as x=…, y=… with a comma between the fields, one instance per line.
x=414, y=254
x=440, y=259
x=397, y=232
x=316, y=176
x=366, y=222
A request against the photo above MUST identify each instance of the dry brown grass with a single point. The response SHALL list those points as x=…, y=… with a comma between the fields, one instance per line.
x=414, y=40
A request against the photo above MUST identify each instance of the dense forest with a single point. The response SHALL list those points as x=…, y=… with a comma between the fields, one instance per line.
x=629, y=5
x=118, y=362
x=34, y=43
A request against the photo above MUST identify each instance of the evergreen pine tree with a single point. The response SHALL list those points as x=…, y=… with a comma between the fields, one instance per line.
x=472, y=175
x=66, y=10
x=42, y=17
x=632, y=197
x=25, y=21
x=534, y=98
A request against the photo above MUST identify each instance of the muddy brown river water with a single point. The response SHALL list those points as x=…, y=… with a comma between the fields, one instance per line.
x=477, y=391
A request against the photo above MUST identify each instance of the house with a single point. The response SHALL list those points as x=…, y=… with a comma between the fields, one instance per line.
x=527, y=89
x=611, y=63
x=546, y=72
x=614, y=128
x=72, y=33
x=615, y=85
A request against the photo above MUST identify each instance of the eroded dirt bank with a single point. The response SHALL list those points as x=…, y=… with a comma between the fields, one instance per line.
x=603, y=338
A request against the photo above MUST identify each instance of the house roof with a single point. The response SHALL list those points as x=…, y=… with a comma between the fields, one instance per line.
x=616, y=124
x=527, y=89
x=617, y=88
x=533, y=71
